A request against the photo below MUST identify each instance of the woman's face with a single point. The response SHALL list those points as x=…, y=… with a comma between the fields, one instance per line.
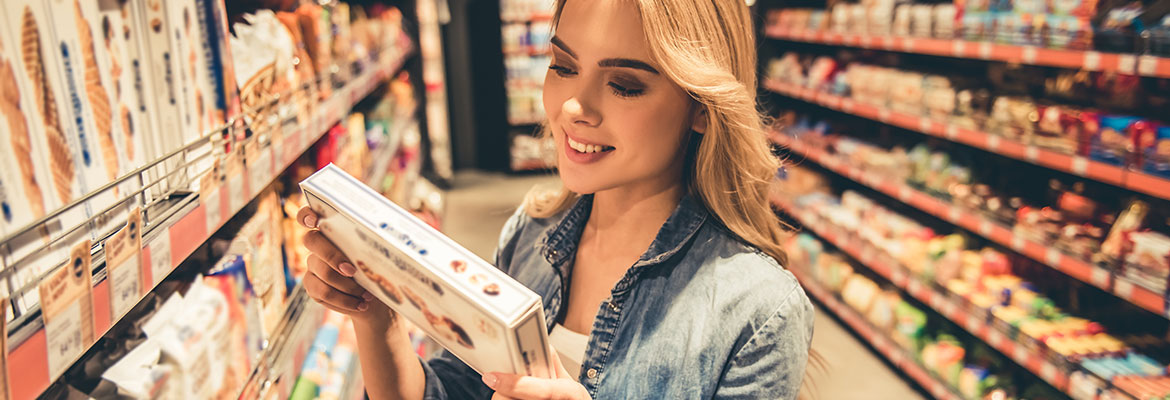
x=618, y=122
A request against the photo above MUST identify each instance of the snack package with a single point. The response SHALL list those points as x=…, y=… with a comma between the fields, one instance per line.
x=1109, y=144
x=26, y=187
x=480, y=314
x=1157, y=155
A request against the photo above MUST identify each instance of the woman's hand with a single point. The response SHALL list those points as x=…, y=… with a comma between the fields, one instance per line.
x=563, y=387
x=330, y=278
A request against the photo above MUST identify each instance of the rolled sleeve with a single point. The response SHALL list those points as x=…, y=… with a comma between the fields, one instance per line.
x=771, y=364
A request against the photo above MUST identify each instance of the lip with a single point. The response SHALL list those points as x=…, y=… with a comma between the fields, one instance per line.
x=578, y=157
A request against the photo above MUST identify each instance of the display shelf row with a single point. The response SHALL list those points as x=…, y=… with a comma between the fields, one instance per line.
x=519, y=19
x=1074, y=164
x=282, y=360
x=976, y=322
x=178, y=234
x=893, y=353
x=1077, y=268
x=1130, y=64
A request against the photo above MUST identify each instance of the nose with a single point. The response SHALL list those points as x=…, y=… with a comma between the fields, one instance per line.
x=580, y=110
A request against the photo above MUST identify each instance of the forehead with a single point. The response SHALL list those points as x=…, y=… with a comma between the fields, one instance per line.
x=603, y=29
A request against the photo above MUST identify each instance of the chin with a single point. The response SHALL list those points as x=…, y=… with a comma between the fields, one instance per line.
x=578, y=181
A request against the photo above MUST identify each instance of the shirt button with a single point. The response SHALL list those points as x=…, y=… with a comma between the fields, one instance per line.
x=591, y=373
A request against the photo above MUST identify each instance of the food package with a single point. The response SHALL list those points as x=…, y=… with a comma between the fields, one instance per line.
x=267, y=70
x=1157, y=154
x=944, y=21
x=483, y=316
x=223, y=95
x=1109, y=145
x=26, y=187
x=859, y=293
x=317, y=36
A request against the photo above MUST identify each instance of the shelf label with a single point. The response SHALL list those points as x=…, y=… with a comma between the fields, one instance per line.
x=124, y=266
x=160, y=258
x=1123, y=289
x=1092, y=61
x=1020, y=354
x=884, y=114
x=952, y=131
x=994, y=338
x=909, y=44
x=973, y=323
x=866, y=41
x=1147, y=65
x=924, y=125
x=1048, y=372
x=1029, y=55
x=899, y=277
x=953, y=214
x=915, y=288
x=209, y=198
x=67, y=307
x=1018, y=242
x=948, y=309
x=847, y=105
x=985, y=228
x=993, y=142
x=985, y=50
x=237, y=198
x=260, y=171
x=1053, y=257
x=1126, y=63
x=887, y=42
x=959, y=47
x=1080, y=165
x=1031, y=153
x=1100, y=277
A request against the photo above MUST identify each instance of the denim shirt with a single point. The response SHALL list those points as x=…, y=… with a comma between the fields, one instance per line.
x=700, y=315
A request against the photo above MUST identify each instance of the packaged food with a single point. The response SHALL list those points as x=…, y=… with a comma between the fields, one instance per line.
x=1157, y=154
x=944, y=21
x=1109, y=144
x=483, y=316
x=26, y=187
x=921, y=20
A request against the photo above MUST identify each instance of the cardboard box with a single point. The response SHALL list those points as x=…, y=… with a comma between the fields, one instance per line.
x=480, y=314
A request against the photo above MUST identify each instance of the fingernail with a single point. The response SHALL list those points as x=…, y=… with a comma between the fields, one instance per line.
x=363, y=306
x=347, y=269
x=490, y=380
x=367, y=296
x=311, y=221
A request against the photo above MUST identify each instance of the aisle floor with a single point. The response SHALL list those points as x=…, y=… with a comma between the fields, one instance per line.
x=480, y=203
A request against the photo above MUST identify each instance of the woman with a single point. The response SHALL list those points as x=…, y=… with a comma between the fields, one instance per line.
x=658, y=260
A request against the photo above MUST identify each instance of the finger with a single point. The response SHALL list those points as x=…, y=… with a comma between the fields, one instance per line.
x=527, y=387
x=307, y=217
x=330, y=276
x=318, y=244
x=327, y=295
x=559, y=368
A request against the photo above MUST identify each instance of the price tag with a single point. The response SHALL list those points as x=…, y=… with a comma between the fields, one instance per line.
x=258, y=177
x=887, y=42
x=914, y=287
x=1123, y=289
x=1052, y=257
x=237, y=198
x=1048, y=372
x=1126, y=63
x=847, y=106
x=985, y=50
x=1147, y=65
x=935, y=301
x=1029, y=55
x=960, y=48
x=993, y=142
x=909, y=44
x=1018, y=242
x=1031, y=153
x=899, y=277
x=1092, y=61
x=973, y=323
x=953, y=214
x=948, y=309
x=124, y=266
x=866, y=42
x=209, y=198
x=160, y=257
x=1100, y=277
x=67, y=307
x=1080, y=165
x=995, y=338
x=884, y=115
x=924, y=125
x=952, y=131
x=1020, y=354
x=985, y=228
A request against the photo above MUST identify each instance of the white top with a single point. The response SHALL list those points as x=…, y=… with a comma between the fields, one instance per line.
x=570, y=347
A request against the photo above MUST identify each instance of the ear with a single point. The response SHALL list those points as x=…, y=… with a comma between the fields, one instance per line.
x=699, y=119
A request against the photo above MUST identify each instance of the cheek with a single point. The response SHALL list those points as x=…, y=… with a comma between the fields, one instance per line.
x=553, y=97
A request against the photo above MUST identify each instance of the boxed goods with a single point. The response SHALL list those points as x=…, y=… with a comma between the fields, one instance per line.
x=481, y=315
x=26, y=189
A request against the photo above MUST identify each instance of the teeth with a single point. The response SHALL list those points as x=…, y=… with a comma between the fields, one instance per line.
x=585, y=148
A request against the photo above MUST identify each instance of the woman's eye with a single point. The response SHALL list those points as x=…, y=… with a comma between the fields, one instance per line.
x=562, y=71
x=624, y=91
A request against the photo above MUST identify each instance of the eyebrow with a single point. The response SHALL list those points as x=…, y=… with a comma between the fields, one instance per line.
x=609, y=62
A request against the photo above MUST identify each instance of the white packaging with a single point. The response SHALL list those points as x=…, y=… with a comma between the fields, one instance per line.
x=480, y=314
x=26, y=191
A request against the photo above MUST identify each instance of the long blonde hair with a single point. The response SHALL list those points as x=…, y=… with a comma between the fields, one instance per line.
x=708, y=49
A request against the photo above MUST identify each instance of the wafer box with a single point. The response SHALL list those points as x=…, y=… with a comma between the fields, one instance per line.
x=490, y=321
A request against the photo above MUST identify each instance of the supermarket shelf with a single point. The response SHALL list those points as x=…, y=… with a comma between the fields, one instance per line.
x=526, y=51
x=977, y=322
x=883, y=345
x=170, y=243
x=280, y=363
x=530, y=121
x=971, y=221
x=1073, y=164
x=1145, y=65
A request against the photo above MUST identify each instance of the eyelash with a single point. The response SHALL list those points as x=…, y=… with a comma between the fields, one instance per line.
x=618, y=90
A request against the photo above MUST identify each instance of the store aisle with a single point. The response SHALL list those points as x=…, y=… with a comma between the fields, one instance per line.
x=481, y=203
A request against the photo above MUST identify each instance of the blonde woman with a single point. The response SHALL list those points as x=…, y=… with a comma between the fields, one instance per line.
x=659, y=261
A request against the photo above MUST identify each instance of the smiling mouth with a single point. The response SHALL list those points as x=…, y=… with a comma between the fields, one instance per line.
x=587, y=148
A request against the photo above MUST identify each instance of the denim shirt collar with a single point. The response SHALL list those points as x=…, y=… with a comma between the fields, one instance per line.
x=560, y=241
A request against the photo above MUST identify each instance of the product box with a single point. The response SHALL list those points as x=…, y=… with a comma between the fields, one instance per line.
x=483, y=316
x=26, y=191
